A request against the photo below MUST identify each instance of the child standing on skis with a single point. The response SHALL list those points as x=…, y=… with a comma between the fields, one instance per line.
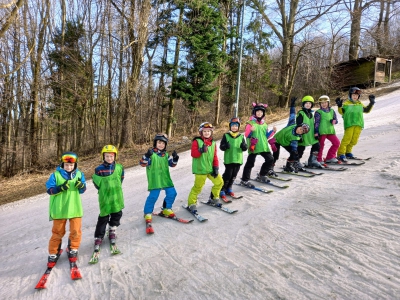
x=256, y=132
x=205, y=165
x=324, y=121
x=157, y=163
x=233, y=144
x=305, y=116
x=107, y=179
x=352, y=111
x=289, y=138
x=64, y=187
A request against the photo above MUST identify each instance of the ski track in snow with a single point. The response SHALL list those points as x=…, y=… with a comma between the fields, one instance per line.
x=334, y=236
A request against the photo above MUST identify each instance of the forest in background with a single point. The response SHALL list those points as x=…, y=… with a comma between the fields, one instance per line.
x=75, y=75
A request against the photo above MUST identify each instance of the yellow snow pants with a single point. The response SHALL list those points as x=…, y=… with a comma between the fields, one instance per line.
x=199, y=182
x=349, y=140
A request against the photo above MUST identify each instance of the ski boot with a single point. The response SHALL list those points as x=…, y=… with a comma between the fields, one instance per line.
x=213, y=201
x=72, y=255
x=51, y=260
x=342, y=158
x=312, y=161
x=350, y=156
x=112, y=234
x=222, y=195
x=168, y=212
x=247, y=183
x=271, y=173
x=262, y=178
x=148, y=218
x=290, y=166
x=229, y=192
x=97, y=244
x=193, y=208
x=331, y=161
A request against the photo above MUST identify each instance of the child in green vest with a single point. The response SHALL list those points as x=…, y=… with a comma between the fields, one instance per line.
x=324, y=121
x=289, y=138
x=256, y=132
x=64, y=187
x=233, y=144
x=352, y=111
x=305, y=116
x=107, y=179
x=157, y=163
x=205, y=165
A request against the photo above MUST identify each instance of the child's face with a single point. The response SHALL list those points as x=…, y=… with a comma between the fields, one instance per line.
x=234, y=127
x=206, y=133
x=307, y=105
x=324, y=104
x=69, y=167
x=160, y=145
x=259, y=113
x=354, y=97
x=109, y=157
x=299, y=130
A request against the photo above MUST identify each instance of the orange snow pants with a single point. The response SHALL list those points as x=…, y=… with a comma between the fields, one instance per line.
x=58, y=230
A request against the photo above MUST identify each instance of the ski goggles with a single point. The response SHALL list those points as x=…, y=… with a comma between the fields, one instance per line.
x=207, y=125
x=358, y=92
x=69, y=158
x=235, y=120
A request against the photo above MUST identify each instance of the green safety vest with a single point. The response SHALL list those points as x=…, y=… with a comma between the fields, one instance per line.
x=67, y=204
x=234, y=154
x=325, y=125
x=157, y=172
x=308, y=138
x=204, y=164
x=285, y=136
x=261, y=134
x=111, y=198
x=353, y=114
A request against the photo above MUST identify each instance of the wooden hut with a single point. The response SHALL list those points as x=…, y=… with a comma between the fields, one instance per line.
x=363, y=72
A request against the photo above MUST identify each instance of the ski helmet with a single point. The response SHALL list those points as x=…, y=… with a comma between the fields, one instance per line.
x=355, y=90
x=109, y=149
x=234, y=120
x=323, y=98
x=69, y=157
x=307, y=98
x=306, y=127
x=259, y=106
x=205, y=125
x=160, y=137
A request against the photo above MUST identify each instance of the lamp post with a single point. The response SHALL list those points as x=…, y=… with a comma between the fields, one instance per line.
x=240, y=64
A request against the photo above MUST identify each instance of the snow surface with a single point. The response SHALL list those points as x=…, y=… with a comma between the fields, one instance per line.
x=335, y=236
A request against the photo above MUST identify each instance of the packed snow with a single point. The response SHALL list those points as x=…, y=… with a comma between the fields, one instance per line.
x=334, y=236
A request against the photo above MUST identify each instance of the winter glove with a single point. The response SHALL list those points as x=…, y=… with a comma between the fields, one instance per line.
x=64, y=186
x=253, y=143
x=149, y=153
x=339, y=102
x=243, y=145
x=175, y=156
x=214, y=172
x=203, y=149
x=371, y=99
x=293, y=101
x=79, y=184
x=333, y=121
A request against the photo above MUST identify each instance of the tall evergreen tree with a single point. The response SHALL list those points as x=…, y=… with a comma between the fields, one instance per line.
x=203, y=40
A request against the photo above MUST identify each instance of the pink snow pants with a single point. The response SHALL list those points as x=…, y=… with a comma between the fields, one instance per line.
x=332, y=150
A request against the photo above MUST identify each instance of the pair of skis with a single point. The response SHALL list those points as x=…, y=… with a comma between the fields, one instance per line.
x=94, y=259
x=75, y=273
x=218, y=206
x=149, y=226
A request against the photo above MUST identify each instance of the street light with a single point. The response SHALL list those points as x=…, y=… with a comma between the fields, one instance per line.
x=240, y=64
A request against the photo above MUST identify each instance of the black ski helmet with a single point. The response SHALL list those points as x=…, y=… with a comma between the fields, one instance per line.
x=160, y=137
x=355, y=90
